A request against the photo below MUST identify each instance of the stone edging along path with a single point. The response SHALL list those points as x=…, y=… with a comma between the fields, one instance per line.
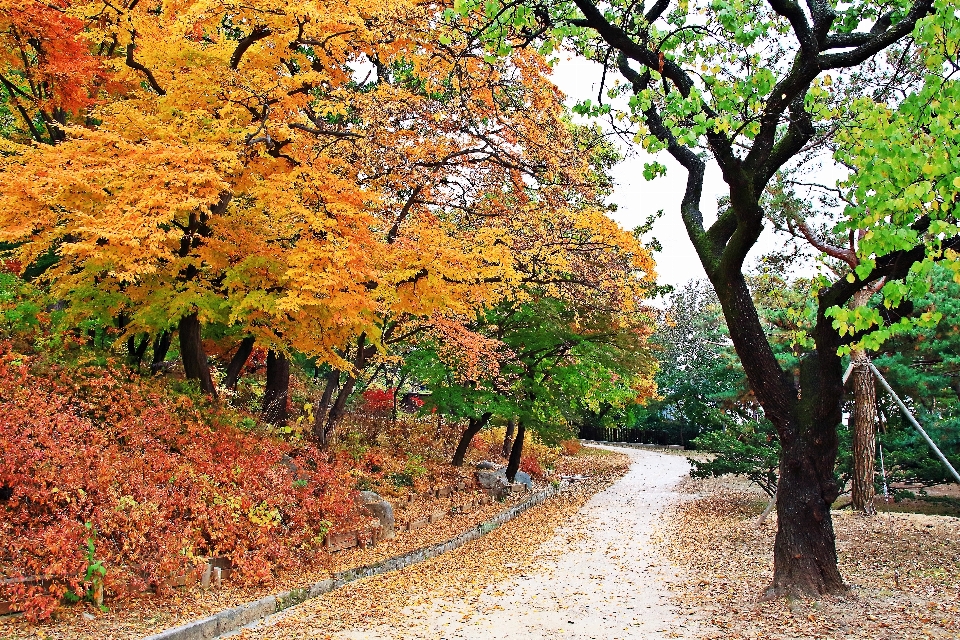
x=233, y=619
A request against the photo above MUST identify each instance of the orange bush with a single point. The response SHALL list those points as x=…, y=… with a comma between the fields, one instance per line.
x=571, y=447
x=153, y=481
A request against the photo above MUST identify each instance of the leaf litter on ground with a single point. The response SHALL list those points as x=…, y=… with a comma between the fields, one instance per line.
x=903, y=571
x=147, y=615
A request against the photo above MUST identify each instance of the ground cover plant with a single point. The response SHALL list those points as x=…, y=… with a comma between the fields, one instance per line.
x=111, y=485
x=141, y=483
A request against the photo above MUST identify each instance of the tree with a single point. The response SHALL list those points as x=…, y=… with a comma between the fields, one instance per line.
x=699, y=380
x=839, y=256
x=923, y=366
x=542, y=362
x=232, y=174
x=752, y=89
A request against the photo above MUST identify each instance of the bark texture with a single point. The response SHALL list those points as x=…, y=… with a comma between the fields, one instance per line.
x=273, y=410
x=323, y=406
x=513, y=465
x=474, y=426
x=806, y=418
x=237, y=361
x=804, y=553
x=194, y=358
x=508, y=437
x=862, y=489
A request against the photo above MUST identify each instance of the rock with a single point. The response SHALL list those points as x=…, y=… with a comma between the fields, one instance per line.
x=492, y=479
x=486, y=465
x=498, y=479
x=381, y=510
x=524, y=479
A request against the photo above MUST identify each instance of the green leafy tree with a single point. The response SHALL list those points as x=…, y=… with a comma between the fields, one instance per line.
x=546, y=362
x=699, y=381
x=754, y=88
x=923, y=366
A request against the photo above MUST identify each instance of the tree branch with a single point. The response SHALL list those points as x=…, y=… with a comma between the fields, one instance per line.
x=133, y=64
x=880, y=41
x=259, y=33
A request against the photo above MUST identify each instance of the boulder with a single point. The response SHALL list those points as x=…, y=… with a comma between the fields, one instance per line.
x=492, y=479
x=524, y=479
x=381, y=510
x=498, y=479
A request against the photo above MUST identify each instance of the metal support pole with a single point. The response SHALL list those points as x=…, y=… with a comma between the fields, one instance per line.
x=914, y=422
x=846, y=374
x=883, y=471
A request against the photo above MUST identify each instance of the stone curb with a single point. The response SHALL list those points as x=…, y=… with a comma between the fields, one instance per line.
x=635, y=445
x=246, y=614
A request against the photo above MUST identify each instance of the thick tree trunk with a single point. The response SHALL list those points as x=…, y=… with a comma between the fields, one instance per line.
x=862, y=490
x=513, y=465
x=804, y=553
x=160, y=347
x=274, y=407
x=805, y=559
x=473, y=428
x=508, y=437
x=191, y=352
x=237, y=361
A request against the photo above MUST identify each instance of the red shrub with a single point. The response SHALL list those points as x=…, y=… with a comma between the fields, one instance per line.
x=161, y=480
x=378, y=400
x=531, y=465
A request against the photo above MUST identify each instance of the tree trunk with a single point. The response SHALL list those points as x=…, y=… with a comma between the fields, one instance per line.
x=160, y=347
x=237, y=361
x=135, y=352
x=337, y=410
x=362, y=354
x=274, y=407
x=804, y=553
x=320, y=415
x=508, y=437
x=864, y=423
x=806, y=419
x=473, y=428
x=514, y=464
x=191, y=351
x=862, y=490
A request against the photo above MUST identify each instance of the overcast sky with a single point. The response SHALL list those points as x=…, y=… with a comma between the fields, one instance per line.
x=636, y=198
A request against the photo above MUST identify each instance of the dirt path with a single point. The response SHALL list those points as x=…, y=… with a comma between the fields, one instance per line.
x=599, y=576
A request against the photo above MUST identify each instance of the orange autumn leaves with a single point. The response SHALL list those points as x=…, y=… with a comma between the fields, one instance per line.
x=301, y=172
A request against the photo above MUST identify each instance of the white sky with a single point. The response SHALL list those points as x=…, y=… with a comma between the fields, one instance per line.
x=636, y=198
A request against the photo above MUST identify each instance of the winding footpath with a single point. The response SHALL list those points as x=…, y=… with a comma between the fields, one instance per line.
x=599, y=577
